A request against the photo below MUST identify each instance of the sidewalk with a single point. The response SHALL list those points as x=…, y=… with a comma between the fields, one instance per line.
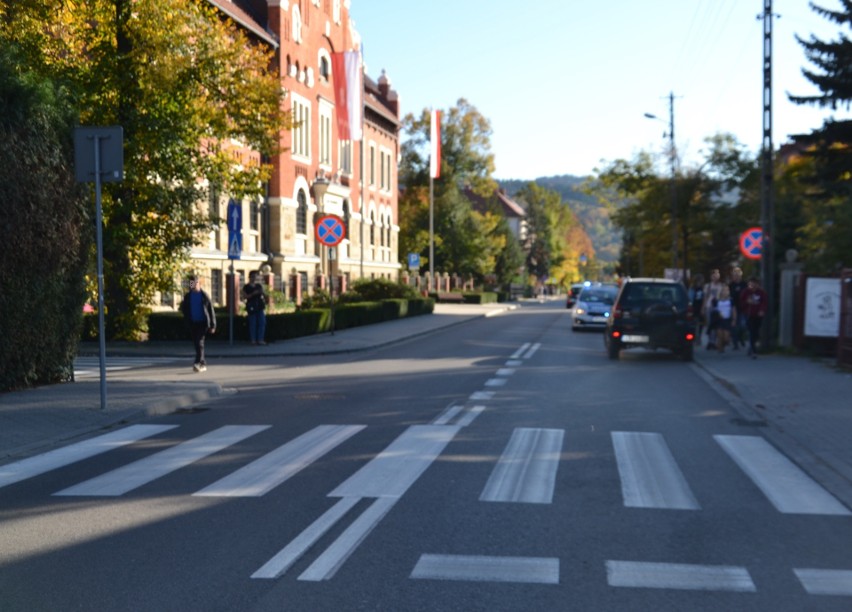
x=34, y=420
x=801, y=405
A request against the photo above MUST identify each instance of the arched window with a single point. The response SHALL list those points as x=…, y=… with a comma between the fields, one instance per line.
x=302, y=213
x=297, y=24
x=324, y=68
x=372, y=229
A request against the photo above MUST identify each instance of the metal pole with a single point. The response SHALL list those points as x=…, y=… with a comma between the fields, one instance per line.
x=330, y=256
x=673, y=188
x=232, y=293
x=431, y=232
x=100, y=245
x=767, y=214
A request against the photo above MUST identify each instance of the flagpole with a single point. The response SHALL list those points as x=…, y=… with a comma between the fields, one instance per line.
x=361, y=156
x=431, y=232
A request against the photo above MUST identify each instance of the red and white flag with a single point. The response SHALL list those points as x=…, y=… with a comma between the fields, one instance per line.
x=435, y=145
x=346, y=71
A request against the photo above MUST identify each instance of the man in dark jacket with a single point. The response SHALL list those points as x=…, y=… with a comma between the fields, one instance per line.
x=753, y=302
x=198, y=313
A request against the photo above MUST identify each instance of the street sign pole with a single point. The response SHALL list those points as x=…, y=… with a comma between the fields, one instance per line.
x=108, y=167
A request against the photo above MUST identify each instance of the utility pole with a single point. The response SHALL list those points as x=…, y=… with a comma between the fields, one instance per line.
x=673, y=187
x=767, y=211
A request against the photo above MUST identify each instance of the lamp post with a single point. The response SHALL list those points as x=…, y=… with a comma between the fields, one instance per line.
x=673, y=186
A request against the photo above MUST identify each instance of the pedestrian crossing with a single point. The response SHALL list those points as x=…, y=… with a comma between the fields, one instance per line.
x=524, y=473
x=90, y=367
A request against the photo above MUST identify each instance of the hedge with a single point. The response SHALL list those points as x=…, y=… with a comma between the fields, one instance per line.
x=170, y=325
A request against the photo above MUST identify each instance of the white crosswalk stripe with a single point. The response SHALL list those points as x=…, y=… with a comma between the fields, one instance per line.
x=526, y=471
x=89, y=367
x=650, y=478
x=129, y=477
x=789, y=489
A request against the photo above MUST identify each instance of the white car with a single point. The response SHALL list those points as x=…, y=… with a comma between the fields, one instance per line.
x=593, y=306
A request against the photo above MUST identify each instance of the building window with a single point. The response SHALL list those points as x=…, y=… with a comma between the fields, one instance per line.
x=372, y=229
x=372, y=166
x=216, y=286
x=325, y=138
x=346, y=216
x=297, y=24
x=302, y=213
x=324, y=68
x=346, y=156
x=301, y=128
x=254, y=215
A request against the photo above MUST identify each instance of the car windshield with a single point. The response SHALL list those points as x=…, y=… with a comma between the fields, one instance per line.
x=657, y=292
x=599, y=295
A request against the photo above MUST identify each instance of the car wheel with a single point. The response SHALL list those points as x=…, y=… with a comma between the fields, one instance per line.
x=686, y=353
x=613, y=349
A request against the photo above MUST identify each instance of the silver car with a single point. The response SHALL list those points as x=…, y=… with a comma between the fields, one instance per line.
x=593, y=306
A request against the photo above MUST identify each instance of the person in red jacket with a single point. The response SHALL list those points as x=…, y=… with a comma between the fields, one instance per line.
x=753, y=303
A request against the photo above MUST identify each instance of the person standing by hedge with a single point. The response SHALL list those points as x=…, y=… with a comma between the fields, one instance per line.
x=753, y=302
x=256, y=309
x=200, y=317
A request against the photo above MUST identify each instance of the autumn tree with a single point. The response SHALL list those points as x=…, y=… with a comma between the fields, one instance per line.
x=181, y=81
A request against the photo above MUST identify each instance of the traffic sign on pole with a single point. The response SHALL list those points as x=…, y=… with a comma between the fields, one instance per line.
x=330, y=230
x=235, y=229
x=751, y=242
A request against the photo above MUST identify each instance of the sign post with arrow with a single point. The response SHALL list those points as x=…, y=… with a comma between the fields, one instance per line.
x=235, y=248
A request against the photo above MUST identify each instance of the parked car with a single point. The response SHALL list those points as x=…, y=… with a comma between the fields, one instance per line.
x=573, y=292
x=652, y=313
x=593, y=306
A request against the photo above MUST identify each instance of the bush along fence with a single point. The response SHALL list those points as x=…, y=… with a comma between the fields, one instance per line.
x=170, y=326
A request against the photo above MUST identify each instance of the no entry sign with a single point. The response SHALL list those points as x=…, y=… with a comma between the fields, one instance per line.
x=750, y=242
x=330, y=230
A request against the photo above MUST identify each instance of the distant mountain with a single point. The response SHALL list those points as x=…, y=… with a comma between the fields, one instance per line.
x=591, y=214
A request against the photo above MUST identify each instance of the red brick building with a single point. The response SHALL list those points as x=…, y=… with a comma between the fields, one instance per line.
x=317, y=172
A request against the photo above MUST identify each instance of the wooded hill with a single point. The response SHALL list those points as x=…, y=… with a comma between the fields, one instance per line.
x=592, y=215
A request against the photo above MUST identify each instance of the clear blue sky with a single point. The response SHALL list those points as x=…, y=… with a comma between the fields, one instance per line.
x=567, y=94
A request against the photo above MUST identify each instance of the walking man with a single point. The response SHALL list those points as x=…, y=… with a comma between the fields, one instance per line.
x=199, y=315
x=753, y=302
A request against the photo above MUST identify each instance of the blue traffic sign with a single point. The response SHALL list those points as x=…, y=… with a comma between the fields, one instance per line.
x=235, y=229
x=413, y=261
x=330, y=230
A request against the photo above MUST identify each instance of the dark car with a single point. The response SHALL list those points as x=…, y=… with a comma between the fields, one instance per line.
x=652, y=313
x=573, y=292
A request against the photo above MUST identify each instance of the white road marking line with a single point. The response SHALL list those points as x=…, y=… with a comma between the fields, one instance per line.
x=505, y=371
x=517, y=354
x=448, y=415
x=679, y=576
x=825, y=582
x=335, y=555
x=291, y=553
x=789, y=489
x=391, y=472
x=479, y=396
x=526, y=471
x=537, y=570
x=495, y=382
x=39, y=464
x=470, y=415
x=650, y=478
x=514, y=363
x=264, y=474
x=532, y=350
x=124, y=479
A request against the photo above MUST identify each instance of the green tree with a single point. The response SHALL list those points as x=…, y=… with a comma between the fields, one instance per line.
x=44, y=230
x=824, y=174
x=180, y=81
x=465, y=242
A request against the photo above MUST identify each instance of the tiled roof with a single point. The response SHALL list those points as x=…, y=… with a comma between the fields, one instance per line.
x=509, y=206
x=242, y=18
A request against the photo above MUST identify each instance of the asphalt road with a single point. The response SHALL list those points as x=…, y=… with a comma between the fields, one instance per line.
x=505, y=464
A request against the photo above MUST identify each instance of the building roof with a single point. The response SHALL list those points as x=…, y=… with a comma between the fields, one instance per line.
x=245, y=20
x=508, y=205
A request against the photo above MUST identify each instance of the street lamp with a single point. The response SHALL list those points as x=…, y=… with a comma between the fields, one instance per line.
x=673, y=186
